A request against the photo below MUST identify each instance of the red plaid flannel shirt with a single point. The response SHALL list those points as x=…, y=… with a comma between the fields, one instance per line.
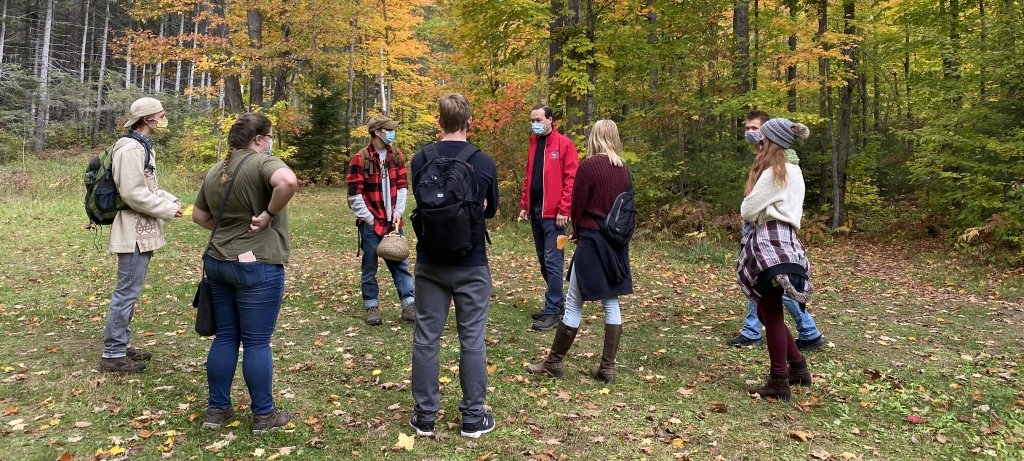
x=367, y=183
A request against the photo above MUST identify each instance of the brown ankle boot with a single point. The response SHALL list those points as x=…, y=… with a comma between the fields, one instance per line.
x=606, y=371
x=776, y=387
x=552, y=365
x=798, y=374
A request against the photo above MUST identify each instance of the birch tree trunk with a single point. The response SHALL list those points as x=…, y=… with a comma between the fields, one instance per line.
x=44, y=77
x=101, y=81
x=177, y=65
x=3, y=31
x=85, y=36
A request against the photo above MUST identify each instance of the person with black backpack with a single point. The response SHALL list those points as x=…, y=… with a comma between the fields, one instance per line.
x=137, y=230
x=456, y=187
x=603, y=219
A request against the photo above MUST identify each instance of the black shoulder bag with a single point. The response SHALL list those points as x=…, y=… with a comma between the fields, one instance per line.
x=206, y=324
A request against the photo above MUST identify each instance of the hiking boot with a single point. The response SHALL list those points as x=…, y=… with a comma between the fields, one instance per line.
x=775, y=387
x=423, y=428
x=138, y=355
x=409, y=313
x=121, y=365
x=373, y=316
x=537, y=315
x=269, y=421
x=743, y=341
x=810, y=344
x=216, y=417
x=798, y=373
x=475, y=430
x=545, y=323
x=552, y=365
x=606, y=371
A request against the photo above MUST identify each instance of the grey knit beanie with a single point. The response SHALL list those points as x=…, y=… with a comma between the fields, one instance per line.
x=784, y=132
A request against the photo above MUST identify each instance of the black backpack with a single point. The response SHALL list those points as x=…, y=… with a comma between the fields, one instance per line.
x=448, y=219
x=620, y=223
x=102, y=200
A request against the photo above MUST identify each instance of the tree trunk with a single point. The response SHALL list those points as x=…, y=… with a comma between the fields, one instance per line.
x=574, y=103
x=44, y=77
x=791, y=70
x=192, y=62
x=158, y=73
x=103, y=73
x=757, y=46
x=255, y=31
x=983, y=70
x=906, y=69
x=557, y=40
x=588, y=104
x=351, y=86
x=128, y=63
x=863, y=76
x=652, y=40
x=842, y=157
x=177, y=64
x=281, y=80
x=85, y=37
x=741, y=36
x=3, y=32
x=827, y=142
x=233, y=94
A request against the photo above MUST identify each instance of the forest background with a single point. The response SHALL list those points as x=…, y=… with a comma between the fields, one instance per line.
x=914, y=106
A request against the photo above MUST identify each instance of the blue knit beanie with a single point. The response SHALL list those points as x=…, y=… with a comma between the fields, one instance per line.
x=784, y=132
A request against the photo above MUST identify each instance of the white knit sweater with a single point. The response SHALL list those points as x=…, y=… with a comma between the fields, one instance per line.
x=769, y=201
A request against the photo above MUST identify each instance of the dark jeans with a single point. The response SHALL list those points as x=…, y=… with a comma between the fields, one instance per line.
x=551, y=259
x=246, y=302
x=436, y=288
x=781, y=347
x=399, y=270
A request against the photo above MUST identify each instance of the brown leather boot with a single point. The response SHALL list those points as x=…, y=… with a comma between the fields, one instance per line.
x=776, y=387
x=606, y=371
x=798, y=374
x=552, y=365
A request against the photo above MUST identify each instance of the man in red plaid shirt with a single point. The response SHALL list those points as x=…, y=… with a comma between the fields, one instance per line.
x=378, y=201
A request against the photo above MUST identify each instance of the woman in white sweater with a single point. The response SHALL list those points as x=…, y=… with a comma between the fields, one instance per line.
x=773, y=261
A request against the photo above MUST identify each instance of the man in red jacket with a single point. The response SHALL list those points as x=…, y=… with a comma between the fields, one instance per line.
x=547, y=191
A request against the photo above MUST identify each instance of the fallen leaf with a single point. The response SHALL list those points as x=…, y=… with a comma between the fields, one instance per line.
x=915, y=419
x=82, y=424
x=941, y=438
x=67, y=456
x=820, y=454
x=405, y=442
x=10, y=411
x=802, y=436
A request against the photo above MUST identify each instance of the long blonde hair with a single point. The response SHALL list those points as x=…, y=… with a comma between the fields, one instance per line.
x=604, y=139
x=771, y=156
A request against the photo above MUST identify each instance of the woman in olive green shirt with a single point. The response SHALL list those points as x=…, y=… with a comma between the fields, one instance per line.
x=245, y=267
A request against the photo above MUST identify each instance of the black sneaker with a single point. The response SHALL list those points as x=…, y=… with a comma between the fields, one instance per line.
x=138, y=355
x=423, y=428
x=811, y=344
x=475, y=430
x=216, y=417
x=743, y=341
x=537, y=315
x=121, y=365
x=545, y=323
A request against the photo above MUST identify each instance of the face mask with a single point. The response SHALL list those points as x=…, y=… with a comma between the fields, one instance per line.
x=160, y=123
x=538, y=128
x=389, y=137
x=270, y=147
x=753, y=137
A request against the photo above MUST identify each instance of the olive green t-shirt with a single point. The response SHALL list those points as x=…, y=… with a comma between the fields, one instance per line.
x=249, y=197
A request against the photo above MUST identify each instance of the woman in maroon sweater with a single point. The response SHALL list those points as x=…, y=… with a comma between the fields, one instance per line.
x=600, y=269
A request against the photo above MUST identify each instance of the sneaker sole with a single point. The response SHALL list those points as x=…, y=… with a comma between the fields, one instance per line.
x=421, y=433
x=810, y=347
x=477, y=434
x=212, y=426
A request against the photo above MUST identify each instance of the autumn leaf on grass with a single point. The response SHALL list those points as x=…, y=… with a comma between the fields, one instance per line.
x=10, y=411
x=67, y=456
x=405, y=442
x=820, y=454
x=802, y=436
x=444, y=380
x=915, y=419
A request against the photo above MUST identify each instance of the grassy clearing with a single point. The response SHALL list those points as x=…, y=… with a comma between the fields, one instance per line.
x=923, y=363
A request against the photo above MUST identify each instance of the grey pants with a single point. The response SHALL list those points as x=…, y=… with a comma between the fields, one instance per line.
x=131, y=274
x=436, y=287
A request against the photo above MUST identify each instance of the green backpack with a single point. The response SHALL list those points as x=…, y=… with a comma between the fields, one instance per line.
x=102, y=201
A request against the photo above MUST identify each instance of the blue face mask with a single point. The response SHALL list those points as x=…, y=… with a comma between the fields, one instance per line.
x=537, y=128
x=270, y=147
x=389, y=137
x=753, y=137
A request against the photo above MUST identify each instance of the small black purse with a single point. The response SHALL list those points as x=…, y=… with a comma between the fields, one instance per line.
x=206, y=323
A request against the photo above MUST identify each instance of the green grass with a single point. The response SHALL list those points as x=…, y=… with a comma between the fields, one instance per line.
x=914, y=332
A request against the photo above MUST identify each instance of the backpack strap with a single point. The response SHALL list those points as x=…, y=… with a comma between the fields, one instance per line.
x=136, y=136
x=430, y=152
x=467, y=153
x=224, y=202
x=364, y=155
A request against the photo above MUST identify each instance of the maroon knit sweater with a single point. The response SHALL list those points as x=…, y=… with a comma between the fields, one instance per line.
x=597, y=185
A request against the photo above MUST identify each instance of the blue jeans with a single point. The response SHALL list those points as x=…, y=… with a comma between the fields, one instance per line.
x=368, y=240
x=574, y=306
x=246, y=302
x=551, y=259
x=805, y=326
x=131, y=275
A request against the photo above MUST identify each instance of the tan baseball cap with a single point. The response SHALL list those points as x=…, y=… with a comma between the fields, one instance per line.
x=143, y=107
x=381, y=123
